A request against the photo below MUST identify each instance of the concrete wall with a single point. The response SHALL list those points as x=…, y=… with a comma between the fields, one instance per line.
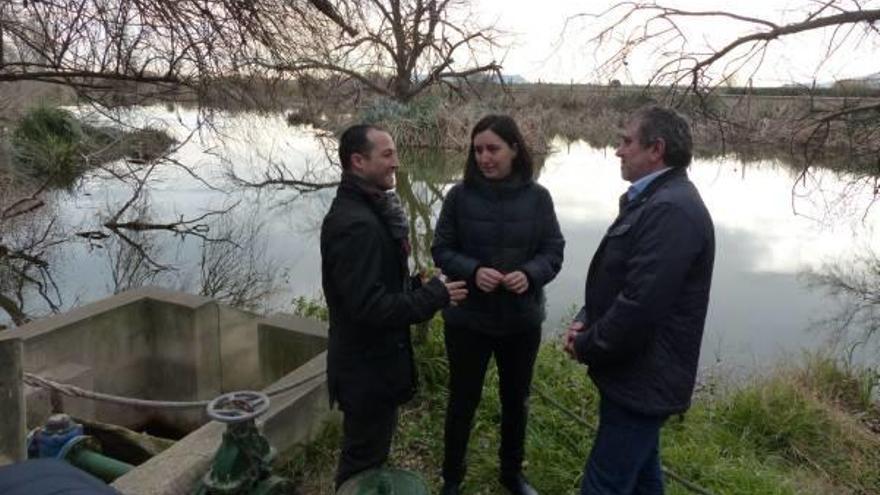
x=281, y=346
x=293, y=418
x=155, y=344
x=12, y=426
x=102, y=346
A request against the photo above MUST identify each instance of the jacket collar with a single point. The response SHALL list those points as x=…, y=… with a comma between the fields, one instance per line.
x=626, y=203
x=355, y=187
x=504, y=186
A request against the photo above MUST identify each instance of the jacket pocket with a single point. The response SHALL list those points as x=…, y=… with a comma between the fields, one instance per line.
x=376, y=382
x=617, y=247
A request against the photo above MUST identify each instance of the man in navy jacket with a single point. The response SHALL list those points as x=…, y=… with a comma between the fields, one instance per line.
x=645, y=301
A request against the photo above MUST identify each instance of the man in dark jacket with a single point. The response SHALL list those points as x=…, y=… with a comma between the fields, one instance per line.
x=645, y=303
x=371, y=298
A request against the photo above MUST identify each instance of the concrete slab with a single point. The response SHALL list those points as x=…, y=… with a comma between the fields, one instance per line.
x=156, y=344
x=293, y=418
x=12, y=404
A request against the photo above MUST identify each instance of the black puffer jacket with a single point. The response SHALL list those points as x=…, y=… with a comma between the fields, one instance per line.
x=506, y=225
x=646, y=297
x=371, y=305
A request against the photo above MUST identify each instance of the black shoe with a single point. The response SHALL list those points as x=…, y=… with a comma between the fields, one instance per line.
x=450, y=488
x=518, y=485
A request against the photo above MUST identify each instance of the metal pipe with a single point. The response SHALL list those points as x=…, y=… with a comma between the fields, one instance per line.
x=106, y=468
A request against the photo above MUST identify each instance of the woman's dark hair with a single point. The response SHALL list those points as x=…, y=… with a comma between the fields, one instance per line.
x=507, y=130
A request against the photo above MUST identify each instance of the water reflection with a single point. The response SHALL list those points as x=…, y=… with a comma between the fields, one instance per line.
x=421, y=187
x=771, y=224
x=854, y=286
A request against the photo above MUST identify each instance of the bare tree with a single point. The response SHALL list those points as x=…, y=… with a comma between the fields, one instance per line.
x=129, y=267
x=280, y=175
x=29, y=236
x=855, y=285
x=207, y=45
x=641, y=32
x=661, y=32
x=240, y=272
x=116, y=51
x=90, y=43
x=133, y=218
x=402, y=47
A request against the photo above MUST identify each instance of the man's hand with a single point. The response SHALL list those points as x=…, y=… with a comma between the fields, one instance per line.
x=516, y=282
x=574, y=329
x=457, y=291
x=488, y=279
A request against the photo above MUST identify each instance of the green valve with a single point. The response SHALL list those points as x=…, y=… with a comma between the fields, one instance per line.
x=242, y=464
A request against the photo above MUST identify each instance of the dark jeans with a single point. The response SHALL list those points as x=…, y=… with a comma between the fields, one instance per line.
x=625, y=458
x=469, y=352
x=366, y=440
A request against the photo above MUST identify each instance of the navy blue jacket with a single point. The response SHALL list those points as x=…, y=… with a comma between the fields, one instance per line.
x=506, y=225
x=371, y=305
x=646, y=297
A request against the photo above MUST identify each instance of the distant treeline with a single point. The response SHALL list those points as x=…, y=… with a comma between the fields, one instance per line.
x=839, y=91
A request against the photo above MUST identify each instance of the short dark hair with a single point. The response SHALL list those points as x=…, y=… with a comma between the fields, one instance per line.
x=657, y=122
x=354, y=140
x=505, y=127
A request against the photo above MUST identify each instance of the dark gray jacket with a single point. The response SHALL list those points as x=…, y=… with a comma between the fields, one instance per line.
x=646, y=297
x=371, y=305
x=508, y=225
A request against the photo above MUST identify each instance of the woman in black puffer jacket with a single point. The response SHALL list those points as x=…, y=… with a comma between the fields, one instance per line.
x=497, y=231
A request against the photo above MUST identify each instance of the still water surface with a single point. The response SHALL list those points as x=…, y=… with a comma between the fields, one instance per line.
x=770, y=224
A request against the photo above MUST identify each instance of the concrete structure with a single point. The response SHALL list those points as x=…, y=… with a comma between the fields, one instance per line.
x=156, y=344
x=12, y=444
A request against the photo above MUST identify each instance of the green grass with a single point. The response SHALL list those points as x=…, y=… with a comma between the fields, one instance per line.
x=51, y=145
x=47, y=144
x=796, y=431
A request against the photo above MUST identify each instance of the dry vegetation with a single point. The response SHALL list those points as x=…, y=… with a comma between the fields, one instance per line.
x=748, y=125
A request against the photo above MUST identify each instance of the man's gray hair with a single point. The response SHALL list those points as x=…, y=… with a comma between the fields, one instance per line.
x=656, y=122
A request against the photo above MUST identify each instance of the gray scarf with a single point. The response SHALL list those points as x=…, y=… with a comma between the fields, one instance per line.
x=386, y=203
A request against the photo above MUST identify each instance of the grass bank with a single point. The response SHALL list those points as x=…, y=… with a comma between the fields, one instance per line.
x=50, y=144
x=809, y=429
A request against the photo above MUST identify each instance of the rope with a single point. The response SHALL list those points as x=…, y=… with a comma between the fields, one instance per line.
x=690, y=485
x=74, y=391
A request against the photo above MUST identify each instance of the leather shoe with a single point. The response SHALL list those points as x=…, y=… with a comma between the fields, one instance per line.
x=450, y=489
x=518, y=485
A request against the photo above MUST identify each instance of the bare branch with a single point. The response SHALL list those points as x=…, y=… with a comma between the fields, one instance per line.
x=660, y=25
x=861, y=16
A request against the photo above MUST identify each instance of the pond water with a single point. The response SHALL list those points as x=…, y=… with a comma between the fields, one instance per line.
x=771, y=225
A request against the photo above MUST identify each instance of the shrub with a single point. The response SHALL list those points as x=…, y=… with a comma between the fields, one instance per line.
x=47, y=145
x=50, y=144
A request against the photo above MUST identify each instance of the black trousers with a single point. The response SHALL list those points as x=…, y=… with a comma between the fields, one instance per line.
x=469, y=352
x=366, y=440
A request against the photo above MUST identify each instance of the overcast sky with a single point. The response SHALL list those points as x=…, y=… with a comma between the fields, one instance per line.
x=541, y=50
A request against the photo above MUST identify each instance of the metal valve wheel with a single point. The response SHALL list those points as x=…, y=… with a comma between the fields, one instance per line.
x=236, y=407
